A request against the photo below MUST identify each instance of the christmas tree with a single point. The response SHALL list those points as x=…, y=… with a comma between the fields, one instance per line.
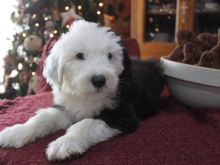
x=37, y=21
x=41, y=20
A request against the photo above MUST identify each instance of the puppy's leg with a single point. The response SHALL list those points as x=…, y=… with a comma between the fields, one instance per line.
x=79, y=137
x=46, y=121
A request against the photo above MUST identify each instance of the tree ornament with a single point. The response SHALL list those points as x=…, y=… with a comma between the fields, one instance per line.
x=32, y=43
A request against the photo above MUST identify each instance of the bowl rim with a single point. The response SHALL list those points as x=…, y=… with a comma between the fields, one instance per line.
x=188, y=65
x=170, y=70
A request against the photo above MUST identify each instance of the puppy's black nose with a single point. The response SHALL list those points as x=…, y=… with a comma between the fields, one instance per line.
x=98, y=81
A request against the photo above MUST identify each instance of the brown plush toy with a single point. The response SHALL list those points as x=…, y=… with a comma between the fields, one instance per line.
x=206, y=41
x=211, y=58
x=177, y=54
x=191, y=53
x=216, y=48
x=183, y=37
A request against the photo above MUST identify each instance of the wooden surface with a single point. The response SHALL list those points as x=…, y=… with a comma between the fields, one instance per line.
x=156, y=49
x=190, y=14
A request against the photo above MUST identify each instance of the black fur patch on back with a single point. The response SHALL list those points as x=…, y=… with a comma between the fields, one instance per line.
x=146, y=87
x=139, y=89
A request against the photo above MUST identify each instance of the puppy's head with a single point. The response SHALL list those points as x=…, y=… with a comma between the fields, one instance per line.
x=86, y=61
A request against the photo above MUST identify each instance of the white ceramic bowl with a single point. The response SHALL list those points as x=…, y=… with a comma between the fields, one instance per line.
x=192, y=85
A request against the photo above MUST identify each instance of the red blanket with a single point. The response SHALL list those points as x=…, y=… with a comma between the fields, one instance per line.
x=177, y=135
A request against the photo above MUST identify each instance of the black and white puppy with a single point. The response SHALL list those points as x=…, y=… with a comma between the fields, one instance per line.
x=98, y=93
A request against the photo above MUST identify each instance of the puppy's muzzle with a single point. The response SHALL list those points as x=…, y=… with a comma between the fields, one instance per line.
x=98, y=81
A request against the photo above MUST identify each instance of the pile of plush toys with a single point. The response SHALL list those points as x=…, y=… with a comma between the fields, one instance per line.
x=202, y=49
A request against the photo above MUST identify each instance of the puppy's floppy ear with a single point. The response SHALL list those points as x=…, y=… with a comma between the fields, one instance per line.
x=125, y=76
x=53, y=67
x=127, y=73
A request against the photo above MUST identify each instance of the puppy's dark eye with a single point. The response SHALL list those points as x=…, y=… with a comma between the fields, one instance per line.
x=80, y=56
x=109, y=56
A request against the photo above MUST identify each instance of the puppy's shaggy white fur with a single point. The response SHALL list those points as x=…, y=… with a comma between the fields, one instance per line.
x=95, y=96
x=70, y=78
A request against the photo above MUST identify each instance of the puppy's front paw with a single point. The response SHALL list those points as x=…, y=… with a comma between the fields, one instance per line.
x=15, y=136
x=64, y=147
